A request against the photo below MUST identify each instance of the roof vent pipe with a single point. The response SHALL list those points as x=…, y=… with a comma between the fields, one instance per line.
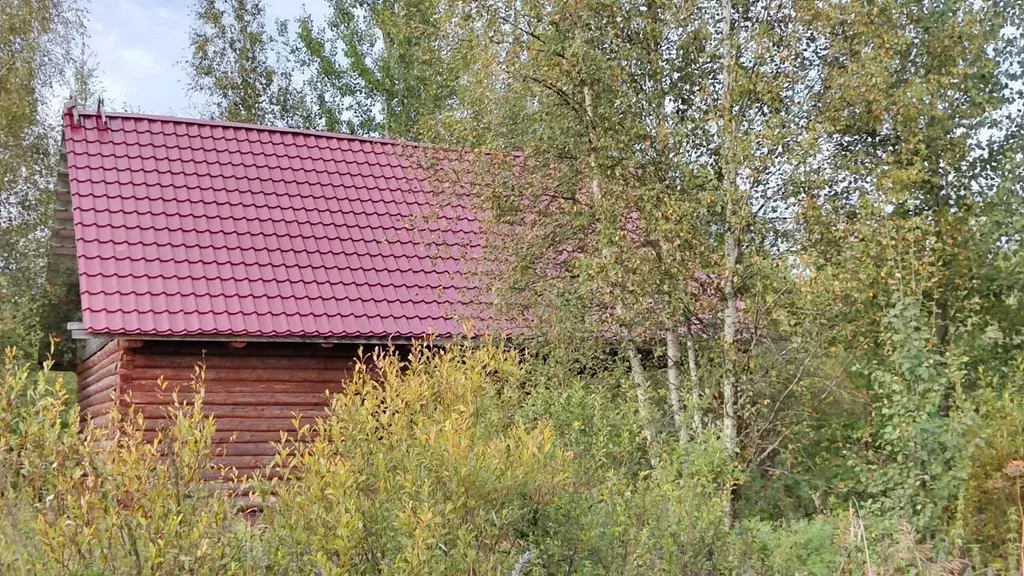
x=71, y=105
x=100, y=113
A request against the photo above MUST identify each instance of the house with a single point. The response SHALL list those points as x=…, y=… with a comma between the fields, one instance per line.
x=268, y=255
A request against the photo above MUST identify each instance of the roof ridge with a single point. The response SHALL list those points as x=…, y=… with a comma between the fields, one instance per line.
x=261, y=127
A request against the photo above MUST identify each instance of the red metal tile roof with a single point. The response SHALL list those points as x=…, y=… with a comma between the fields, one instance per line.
x=191, y=228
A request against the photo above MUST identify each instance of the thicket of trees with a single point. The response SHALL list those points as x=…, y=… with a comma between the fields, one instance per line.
x=792, y=230
x=799, y=223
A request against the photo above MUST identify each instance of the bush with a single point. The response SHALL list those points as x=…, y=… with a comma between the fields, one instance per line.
x=989, y=514
x=459, y=461
x=448, y=461
x=416, y=469
x=462, y=460
x=106, y=502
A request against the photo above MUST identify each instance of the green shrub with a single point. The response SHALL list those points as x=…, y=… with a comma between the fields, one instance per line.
x=101, y=502
x=448, y=461
x=417, y=470
x=988, y=518
x=810, y=546
x=425, y=468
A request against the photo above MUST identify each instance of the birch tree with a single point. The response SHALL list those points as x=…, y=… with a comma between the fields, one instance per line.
x=603, y=106
x=820, y=203
x=34, y=59
x=242, y=69
x=734, y=205
x=380, y=67
x=918, y=213
x=621, y=93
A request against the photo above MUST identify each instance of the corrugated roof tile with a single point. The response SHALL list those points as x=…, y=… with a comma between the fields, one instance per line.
x=198, y=228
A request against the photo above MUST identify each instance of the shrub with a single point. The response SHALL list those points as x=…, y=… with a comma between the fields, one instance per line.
x=989, y=521
x=416, y=469
x=459, y=461
x=466, y=459
x=102, y=502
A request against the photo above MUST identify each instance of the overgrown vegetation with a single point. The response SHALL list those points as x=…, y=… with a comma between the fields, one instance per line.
x=464, y=460
x=770, y=275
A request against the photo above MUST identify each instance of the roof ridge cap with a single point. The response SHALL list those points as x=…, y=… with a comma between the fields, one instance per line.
x=266, y=128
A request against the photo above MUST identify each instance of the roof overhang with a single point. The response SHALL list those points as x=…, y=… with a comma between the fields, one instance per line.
x=79, y=332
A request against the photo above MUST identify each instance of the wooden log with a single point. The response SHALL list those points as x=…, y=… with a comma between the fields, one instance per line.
x=101, y=421
x=235, y=436
x=243, y=461
x=257, y=349
x=188, y=362
x=126, y=374
x=250, y=412
x=239, y=424
x=102, y=397
x=107, y=367
x=257, y=395
x=246, y=386
x=245, y=449
x=98, y=410
x=109, y=384
x=235, y=374
x=240, y=473
x=111, y=348
x=255, y=398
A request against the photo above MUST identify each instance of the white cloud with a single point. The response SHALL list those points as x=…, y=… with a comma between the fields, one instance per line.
x=142, y=63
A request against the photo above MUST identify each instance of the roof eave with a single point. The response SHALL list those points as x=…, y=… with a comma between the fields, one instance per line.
x=79, y=332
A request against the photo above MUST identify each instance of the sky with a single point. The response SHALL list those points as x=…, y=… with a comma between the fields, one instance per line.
x=141, y=47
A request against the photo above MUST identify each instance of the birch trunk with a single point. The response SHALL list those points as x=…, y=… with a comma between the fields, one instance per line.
x=695, y=400
x=636, y=364
x=732, y=247
x=643, y=387
x=588, y=105
x=674, y=358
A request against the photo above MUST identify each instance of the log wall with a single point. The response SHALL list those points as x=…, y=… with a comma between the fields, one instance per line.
x=99, y=378
x=254, y=393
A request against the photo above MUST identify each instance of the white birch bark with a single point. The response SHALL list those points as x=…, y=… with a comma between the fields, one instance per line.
x=643, y=387
x=732, y=247
x=695, y=397
x=674, y=359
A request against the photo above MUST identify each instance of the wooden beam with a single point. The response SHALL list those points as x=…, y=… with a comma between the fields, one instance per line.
x=90, y=345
